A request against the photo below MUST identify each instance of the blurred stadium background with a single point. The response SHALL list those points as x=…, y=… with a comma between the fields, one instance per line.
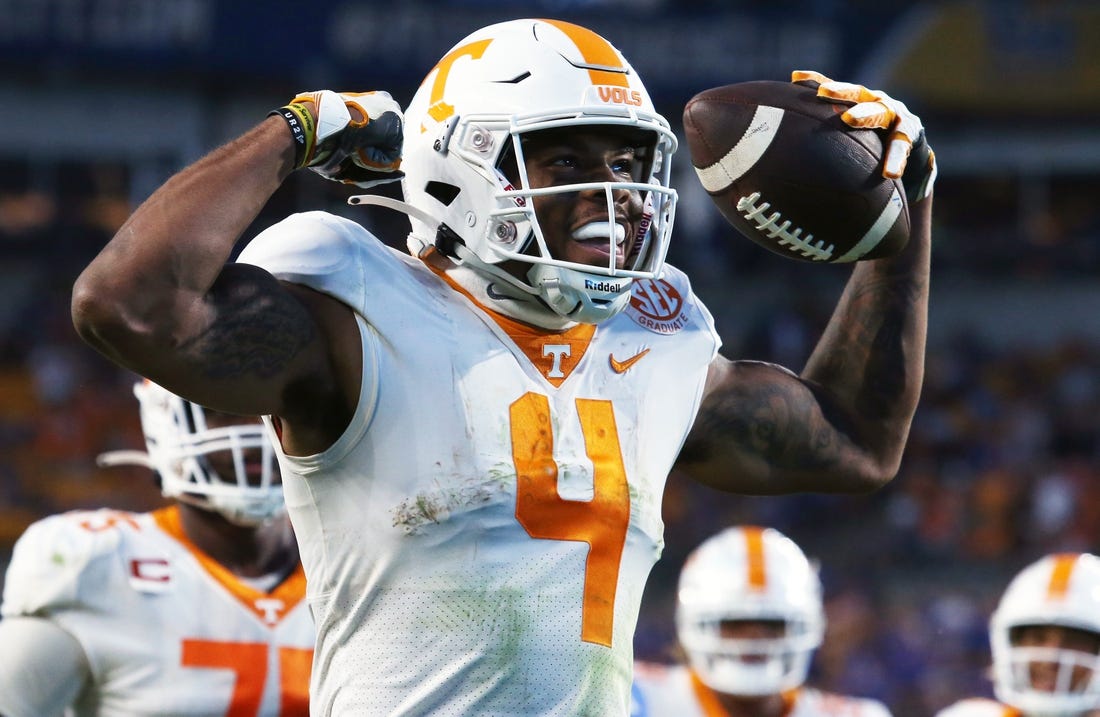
x=101, y=100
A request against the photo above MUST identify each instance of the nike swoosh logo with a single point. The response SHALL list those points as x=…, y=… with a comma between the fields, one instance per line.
x=494, y=294
x=624, y=366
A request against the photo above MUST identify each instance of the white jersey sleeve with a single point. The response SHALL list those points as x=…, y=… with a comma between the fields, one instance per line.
x=333, y=255
x=42, y=668
x=164, y=629
x=977, y=707
x=494, y=507
x=318, y=249
x=63, y=561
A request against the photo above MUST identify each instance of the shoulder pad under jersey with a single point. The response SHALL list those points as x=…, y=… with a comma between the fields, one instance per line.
x=320, y=250
x=62, y=560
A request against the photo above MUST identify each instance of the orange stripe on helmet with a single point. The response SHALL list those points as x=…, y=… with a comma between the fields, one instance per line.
x=754, y=551
x=597, y=53
x=1059, y=576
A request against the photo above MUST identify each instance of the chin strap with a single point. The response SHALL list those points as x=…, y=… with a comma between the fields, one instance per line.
x=501, y=292
x=396, y=205
x=490, y=285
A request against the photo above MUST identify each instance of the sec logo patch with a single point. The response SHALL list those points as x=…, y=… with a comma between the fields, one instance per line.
x=657, y=305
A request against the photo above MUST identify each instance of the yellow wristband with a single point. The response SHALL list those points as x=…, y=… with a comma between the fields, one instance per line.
x=302, y=129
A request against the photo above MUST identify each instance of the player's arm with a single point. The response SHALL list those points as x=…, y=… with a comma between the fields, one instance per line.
x=841, y=425
x=161, y=300
x=42, y=668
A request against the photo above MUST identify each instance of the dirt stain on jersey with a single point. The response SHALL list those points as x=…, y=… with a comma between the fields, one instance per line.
x=436, y=506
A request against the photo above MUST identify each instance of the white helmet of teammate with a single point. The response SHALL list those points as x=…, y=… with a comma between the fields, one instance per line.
x=1061, y=590
x=178, y=441
x=464, y=129
x=749, y=573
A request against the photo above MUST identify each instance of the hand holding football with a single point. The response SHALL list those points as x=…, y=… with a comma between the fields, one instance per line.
x=789, y=174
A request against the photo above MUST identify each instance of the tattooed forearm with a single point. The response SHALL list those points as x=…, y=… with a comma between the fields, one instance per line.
x=869, y=351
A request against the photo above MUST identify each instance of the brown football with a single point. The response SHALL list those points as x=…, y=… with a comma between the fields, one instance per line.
x=790, y=175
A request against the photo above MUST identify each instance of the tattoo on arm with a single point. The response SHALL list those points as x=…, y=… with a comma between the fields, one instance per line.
x=869, y=347
x=257, y=332
x=774, y=421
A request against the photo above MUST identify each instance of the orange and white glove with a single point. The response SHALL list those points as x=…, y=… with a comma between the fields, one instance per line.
x=908, y=154
x=352, y=137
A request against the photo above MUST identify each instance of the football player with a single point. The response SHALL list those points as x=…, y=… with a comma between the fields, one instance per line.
x=475, y=435
x=1045, y=639
x=749, y=616
x=193, y=609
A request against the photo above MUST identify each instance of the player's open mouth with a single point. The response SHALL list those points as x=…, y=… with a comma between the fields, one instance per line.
x=600, y=231
x=595, y=237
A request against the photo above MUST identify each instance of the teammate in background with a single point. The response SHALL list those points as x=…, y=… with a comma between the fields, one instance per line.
x=193, y=609
x=749, y=616
x=1045, y=639
x=475, y=437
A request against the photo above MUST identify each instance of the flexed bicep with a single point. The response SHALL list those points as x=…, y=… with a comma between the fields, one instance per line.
x=162, y=299
x=763, y=430
x=240, y=346
x=250, y=338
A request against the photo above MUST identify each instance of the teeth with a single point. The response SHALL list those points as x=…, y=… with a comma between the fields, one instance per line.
x=600, y=230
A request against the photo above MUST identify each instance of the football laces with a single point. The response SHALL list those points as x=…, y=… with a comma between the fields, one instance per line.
x=774, y=226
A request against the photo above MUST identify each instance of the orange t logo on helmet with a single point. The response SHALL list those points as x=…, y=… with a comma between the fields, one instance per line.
x=605, y=69
x=438, y=109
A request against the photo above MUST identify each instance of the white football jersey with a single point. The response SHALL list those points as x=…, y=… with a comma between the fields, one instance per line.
x=478, y=540
x=978, y=707
x=675, y=691
x=165, y=629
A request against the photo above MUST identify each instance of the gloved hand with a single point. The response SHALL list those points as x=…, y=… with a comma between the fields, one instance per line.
x=908, y=154
x=352, y=137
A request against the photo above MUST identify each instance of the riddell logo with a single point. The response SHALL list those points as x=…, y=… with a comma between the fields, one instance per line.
x=619, y=95
x=602, y=286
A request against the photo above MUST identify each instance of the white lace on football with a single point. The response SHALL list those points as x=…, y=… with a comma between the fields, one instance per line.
x=775, y=227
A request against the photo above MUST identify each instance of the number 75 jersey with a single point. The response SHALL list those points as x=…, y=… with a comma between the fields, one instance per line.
x=478, y=540
x=165, y=629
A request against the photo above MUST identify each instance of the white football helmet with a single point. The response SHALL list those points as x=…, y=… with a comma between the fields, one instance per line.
x=178, y=441
x=1061, y=590
x=468, y=119
x=749, y=573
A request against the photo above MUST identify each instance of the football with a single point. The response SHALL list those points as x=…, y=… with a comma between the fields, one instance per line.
x=789, y=174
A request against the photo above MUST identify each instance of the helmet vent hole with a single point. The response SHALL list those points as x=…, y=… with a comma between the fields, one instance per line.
x=443, y=192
